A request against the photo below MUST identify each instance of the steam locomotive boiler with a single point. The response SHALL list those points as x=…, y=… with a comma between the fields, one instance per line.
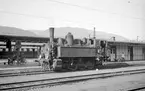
x=66, y=54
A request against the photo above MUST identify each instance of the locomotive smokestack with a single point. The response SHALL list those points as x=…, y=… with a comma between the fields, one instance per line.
x=51, y=32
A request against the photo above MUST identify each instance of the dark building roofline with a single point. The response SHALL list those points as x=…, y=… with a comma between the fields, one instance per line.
x=24, y=38
x=127, y=42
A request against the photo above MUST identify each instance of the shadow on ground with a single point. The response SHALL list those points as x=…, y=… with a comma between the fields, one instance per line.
x=113, y=65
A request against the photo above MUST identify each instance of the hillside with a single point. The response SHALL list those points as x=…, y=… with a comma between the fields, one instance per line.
x=81, y=33
x=59, y=32
x=15, y=31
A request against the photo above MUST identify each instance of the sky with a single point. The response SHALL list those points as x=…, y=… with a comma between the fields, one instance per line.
x=121, y=17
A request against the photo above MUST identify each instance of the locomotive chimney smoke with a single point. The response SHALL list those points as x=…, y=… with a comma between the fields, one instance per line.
x=51, y=32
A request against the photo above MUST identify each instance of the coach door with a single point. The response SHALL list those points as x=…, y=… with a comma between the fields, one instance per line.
x=143, y=52
x=113, y=53
x=130, y=50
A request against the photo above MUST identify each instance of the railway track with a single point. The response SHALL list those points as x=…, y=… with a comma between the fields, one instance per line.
x=24, y=73
x=30, y=73
x=138, y=89
x=25, y=85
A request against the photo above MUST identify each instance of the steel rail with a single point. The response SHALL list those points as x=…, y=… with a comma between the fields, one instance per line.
x=137, y=89
x=24, y=73
x=63, y=80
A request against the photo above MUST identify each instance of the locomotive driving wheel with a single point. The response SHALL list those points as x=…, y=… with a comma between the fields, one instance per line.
x=72, y=65
x=89, y=65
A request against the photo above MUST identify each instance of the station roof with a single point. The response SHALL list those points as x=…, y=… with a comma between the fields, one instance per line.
x=24, y=38
x=127, y=42
x=37, y=39
x=123, y=42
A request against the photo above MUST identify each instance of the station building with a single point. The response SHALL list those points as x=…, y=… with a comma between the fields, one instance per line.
x=29, y=50
x=131, y=50
x=31, y=46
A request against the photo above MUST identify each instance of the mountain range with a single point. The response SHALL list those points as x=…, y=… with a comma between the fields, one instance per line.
x=4, y=30
x=59, y=32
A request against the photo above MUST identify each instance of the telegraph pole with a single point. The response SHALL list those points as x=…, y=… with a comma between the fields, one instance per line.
x=94, y=32
x=94, y=37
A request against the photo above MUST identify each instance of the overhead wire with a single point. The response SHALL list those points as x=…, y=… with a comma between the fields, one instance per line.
x=43, y=17
x=65, y=20
x=94, y=9
x=22, y=14
x=75, y=5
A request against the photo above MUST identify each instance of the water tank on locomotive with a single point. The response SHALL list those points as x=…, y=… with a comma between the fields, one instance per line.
x=69, y=38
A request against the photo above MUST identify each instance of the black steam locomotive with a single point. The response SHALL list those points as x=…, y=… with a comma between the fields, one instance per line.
x=73, y=54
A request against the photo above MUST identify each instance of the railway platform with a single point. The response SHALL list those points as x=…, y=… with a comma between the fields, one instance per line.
x=28, y=60
x=29, y=63
x=20, y=68
x=35, y=65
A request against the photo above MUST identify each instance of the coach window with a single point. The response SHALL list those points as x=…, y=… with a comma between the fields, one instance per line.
x=4, y=50
x=113, y=51
x=33, y=50
x=30, y=49
x=12, y=49
x=27, y=49
x=36, y=49
x=22, y=49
